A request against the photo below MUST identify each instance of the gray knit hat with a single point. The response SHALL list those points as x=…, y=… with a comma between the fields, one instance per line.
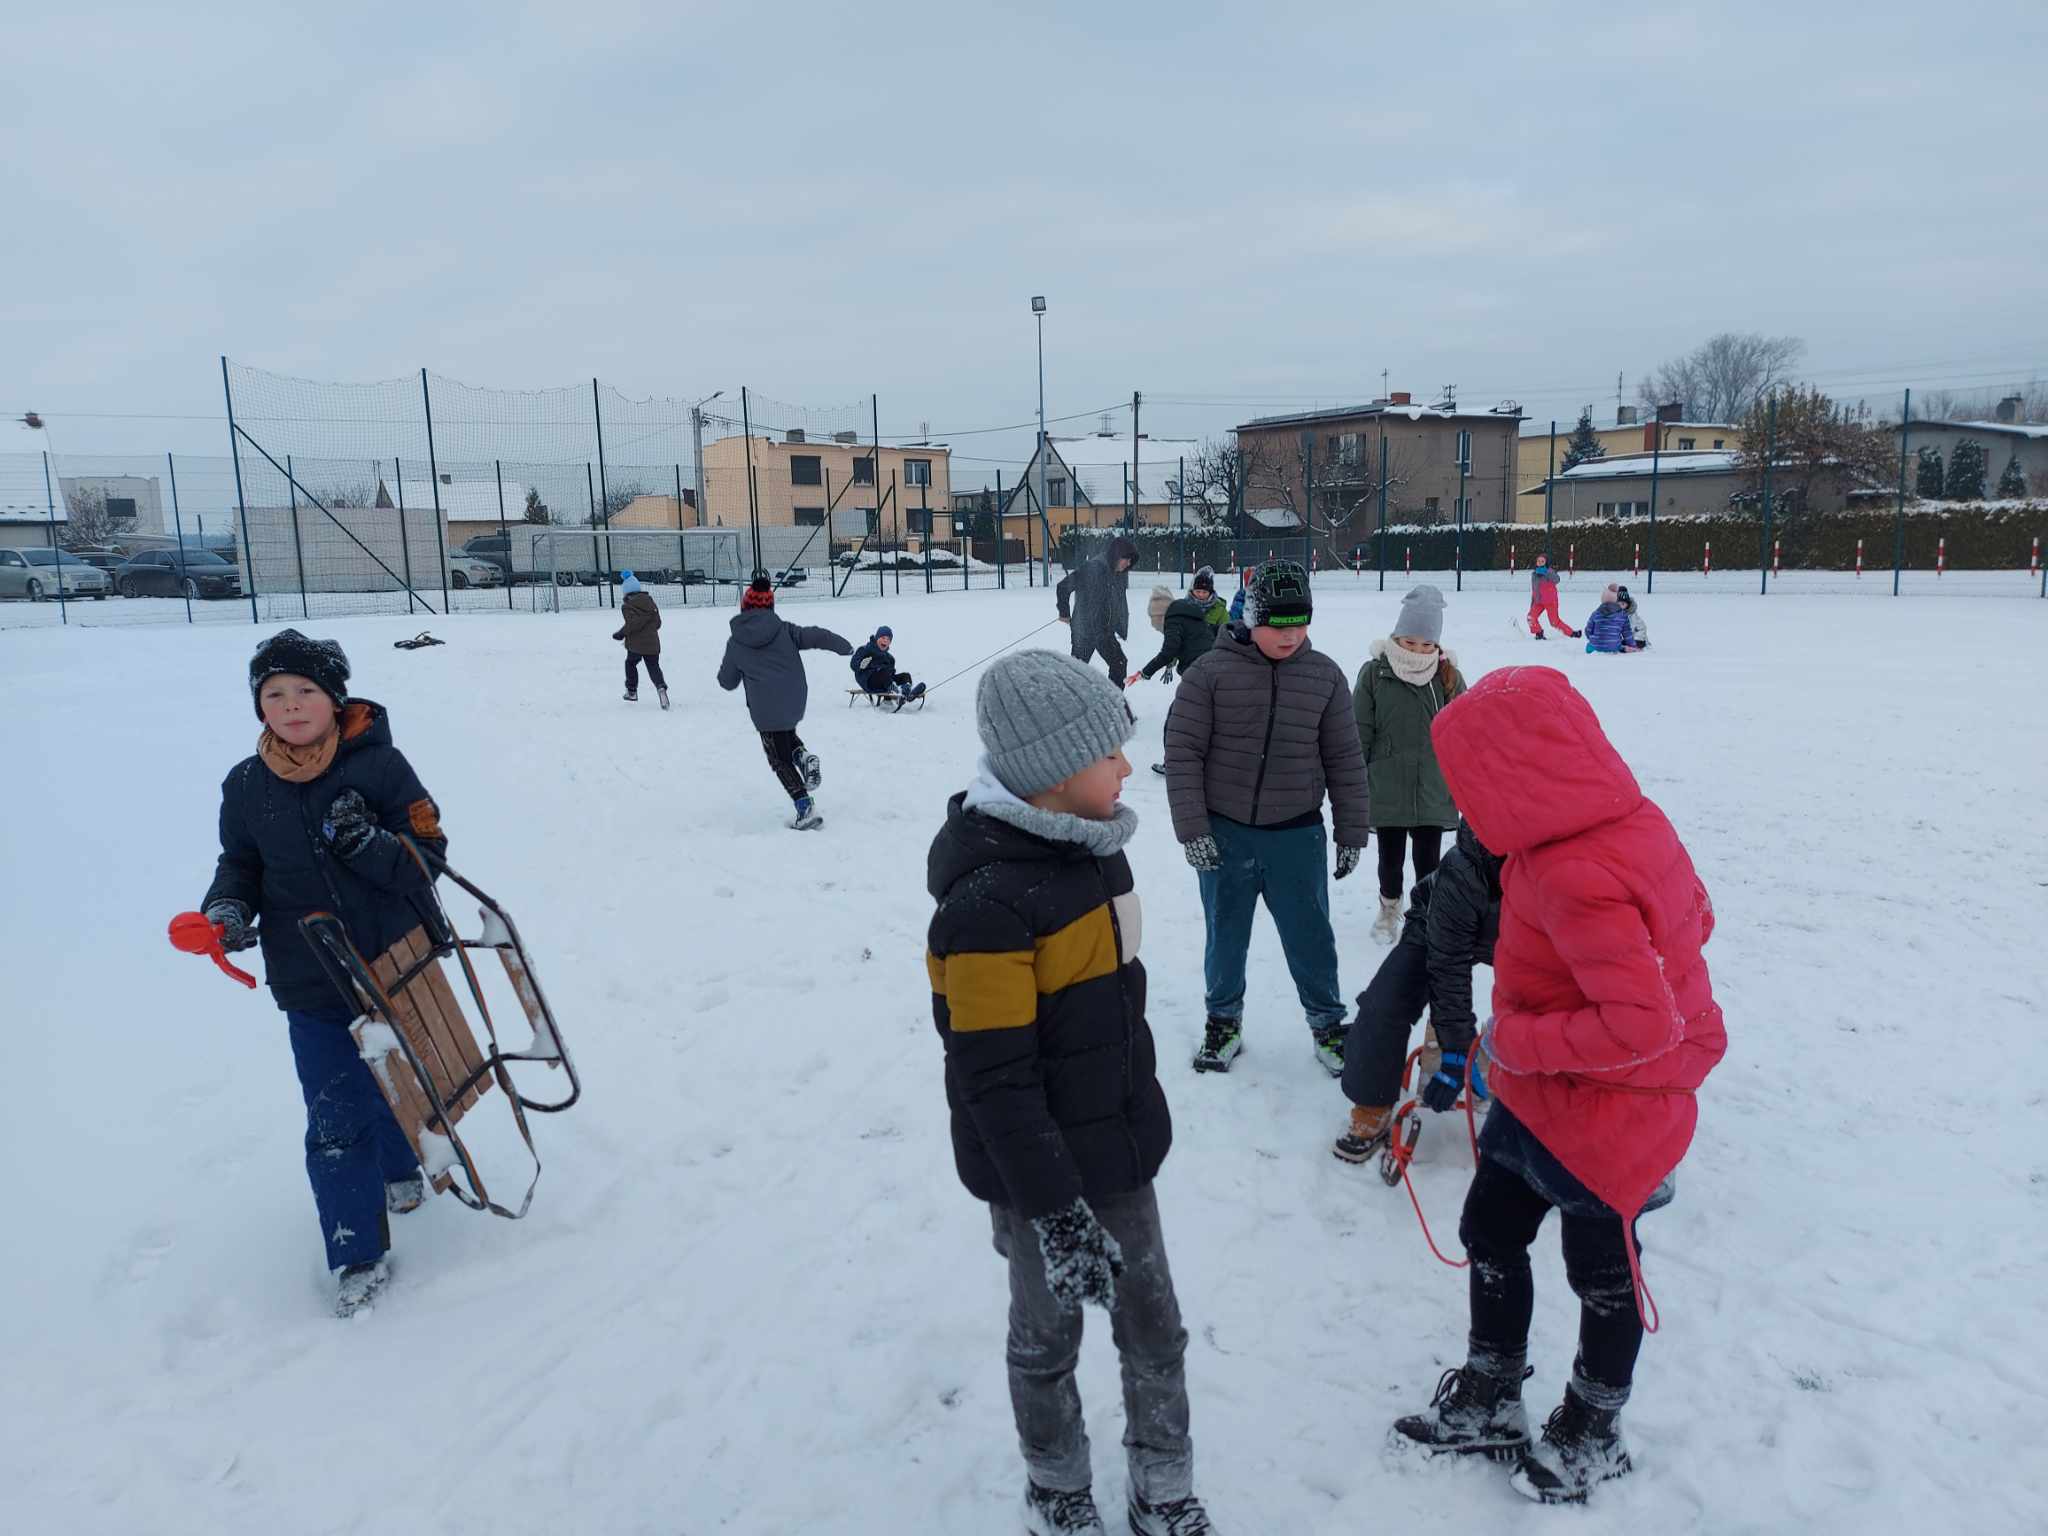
x=1043, y=717
x=1422, y=615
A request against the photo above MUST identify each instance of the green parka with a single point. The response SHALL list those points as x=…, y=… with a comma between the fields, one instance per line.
x=1406, y=787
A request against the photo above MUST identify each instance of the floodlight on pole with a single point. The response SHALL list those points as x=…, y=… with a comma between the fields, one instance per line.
x=1044, y=517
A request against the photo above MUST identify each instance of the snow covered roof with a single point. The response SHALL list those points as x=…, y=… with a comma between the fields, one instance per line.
x=463, y=501
x=1376, y=410
x=1097, y=465
x=2006, y=428
x=1703, y=461
x=24, y=498
x=1273, y=517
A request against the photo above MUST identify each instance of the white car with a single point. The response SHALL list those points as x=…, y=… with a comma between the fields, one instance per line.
x=465, y=572
x=37, y=574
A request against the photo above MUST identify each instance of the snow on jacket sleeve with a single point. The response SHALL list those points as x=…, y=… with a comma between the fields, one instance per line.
x=1190, y=721
x=1629, y=1015
x=401, y=804
x=729, y=669
x=238, y=875
x=1344, y=768
x=809, y=637
x=1457, y=911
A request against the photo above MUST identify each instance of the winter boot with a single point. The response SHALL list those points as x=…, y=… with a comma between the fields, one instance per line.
x=1222, y=1042
x=1367, y=1134
x=1539, y=634
x=1047, y=1513
x=1581, y=1447
x=809, y=769
x=1472, y=1415
x=662, y=694
x=359, y=1288
x=1176, y=1517
x=403, y=1195
x=807, y=815
x=632, y=696
x=1329, y=1040
x=1386, y=928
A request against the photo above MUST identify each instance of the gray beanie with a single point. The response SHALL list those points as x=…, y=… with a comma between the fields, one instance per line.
x=1422, y=615
x=1043, y=717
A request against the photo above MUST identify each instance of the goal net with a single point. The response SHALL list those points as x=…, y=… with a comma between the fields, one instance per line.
x=572, y=567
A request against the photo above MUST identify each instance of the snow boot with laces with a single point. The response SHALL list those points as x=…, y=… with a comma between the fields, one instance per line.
x=1472, y=1414
x=807, y=817
x=809, y=769
x=1049, y=1513
x=359, y=1286
x=404, y=1195
x=1222, y=1042
x=1386, y=928
x=1329, y=1039
x=1367, y=1133
x=1581, y=1447
x=1176, y=1517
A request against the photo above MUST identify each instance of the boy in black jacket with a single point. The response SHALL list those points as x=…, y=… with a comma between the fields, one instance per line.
x=309, y=824
x=875, y=670
x=1058, y=1119
x=1453, y=921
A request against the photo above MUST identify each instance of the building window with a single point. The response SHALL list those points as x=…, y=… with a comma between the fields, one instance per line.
x=917, y=471
x=920, y=521
x=1056, y=491
x=121, y=507
x=806, y=469
x=1720, y=442
x=1687, y=442
x=1621, y=509
x=810, y=517
x=864, y=470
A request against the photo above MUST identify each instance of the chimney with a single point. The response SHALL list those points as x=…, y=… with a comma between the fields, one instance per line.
x=1624, y=416
x=2009, y=409
x=1675, y=411
x=845, y=437
x=793, y=435
x=1399, y=397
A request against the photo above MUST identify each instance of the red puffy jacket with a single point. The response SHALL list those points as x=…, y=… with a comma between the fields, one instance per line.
x=1604, y=1020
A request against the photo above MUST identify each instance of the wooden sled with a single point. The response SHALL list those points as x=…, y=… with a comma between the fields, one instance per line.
x=884, y=700
x=415, y=1033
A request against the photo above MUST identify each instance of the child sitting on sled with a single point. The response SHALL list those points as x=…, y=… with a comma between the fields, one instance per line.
x=875, y=669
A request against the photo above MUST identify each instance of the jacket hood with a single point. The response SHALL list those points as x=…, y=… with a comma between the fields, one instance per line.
x=969, y=842
x=636, y=600
x=1482, y=858
x=364, y=724
x=756, y=627
x=1189, y=607
x=1487, y=739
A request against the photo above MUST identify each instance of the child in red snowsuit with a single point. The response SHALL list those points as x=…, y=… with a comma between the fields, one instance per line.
x=1543, y=599
x=1604, y=1026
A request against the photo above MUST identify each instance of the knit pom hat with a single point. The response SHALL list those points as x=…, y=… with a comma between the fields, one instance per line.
x=884, y=632
x=1205, y=580
x=760, y=593
x=1279, y=596
x=628, y=583
x=1043, y=717
x=290, y=653
x=1422, y=615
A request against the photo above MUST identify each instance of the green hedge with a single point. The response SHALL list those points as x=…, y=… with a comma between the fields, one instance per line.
x=1998, y=536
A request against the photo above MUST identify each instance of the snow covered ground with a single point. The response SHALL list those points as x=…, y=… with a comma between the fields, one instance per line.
x=752, y=1296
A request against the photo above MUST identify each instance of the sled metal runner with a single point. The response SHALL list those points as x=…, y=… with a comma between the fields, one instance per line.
x=433, y=1069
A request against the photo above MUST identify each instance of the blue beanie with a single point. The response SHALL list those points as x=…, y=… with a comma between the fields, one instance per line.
x=628, y=582
x=885, y=630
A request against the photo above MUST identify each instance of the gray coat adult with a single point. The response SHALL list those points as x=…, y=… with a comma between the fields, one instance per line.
x=1096, y=597
x=1258, y=742
x=764, y=652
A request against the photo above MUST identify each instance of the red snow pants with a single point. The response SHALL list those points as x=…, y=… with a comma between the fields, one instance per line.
x=1545, y=602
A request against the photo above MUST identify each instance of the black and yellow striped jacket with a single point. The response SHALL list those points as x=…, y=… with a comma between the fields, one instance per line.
x=1039, y=998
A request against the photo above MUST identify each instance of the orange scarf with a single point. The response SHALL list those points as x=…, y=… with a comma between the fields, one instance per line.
x=298, y=765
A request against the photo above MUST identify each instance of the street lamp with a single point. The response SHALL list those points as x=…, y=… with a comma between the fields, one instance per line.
x=1044, y=517
x=697, y=446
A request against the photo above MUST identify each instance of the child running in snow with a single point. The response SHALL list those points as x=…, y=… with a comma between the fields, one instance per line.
x=1604, y=1027
x=1399, y=691
x=1607, y=631
x=1260, y=726
x=642, y=634
x=1543, y=600
x=311, y=823
x=1058, y=1120
x=765, y=653
x=874, y=669
x=1453, y=921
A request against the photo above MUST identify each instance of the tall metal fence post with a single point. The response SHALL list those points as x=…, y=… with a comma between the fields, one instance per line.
x=753, y=495
x=434, y=480
x=1180, y=496
x=498, y=469
x=1464, y=468
x=1899, y=530
x=1656, y=463
x=1763, y=551
x=235, y=447
x=1002, y=541
x=605, y=593
x=178, y=522
x=1383, y=510
x=404, y=539
x=590, y=491
x=56, y=549
x=1549, y=483
x=924, y=512
x=895, y=526
x=291, y=481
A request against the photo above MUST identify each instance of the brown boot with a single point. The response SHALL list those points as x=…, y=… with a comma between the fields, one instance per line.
x=1432, y=1057
x=1366, y=1134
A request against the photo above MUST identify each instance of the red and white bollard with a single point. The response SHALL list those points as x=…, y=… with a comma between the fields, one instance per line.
x=1940, y=556
x=1314, y=561
x=1571, y=559
x=2034, y=561
x=1859, y=559
x=1707, y=559
x=1407, y=559
x=1635, y=561
x=1774, y=559
x=1511, y=559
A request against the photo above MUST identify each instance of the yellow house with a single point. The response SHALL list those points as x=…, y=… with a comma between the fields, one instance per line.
x=799, y=481
x=1533, y=449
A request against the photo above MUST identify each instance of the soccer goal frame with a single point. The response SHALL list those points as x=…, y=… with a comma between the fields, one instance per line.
x=708, y=559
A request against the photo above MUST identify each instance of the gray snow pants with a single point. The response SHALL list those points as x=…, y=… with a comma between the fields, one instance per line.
x=1045, y=1345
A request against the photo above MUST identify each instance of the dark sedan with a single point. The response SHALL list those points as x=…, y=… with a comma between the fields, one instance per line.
x=166, y=573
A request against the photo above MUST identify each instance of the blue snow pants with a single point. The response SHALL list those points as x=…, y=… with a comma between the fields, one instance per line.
x=353, y=1146
x=1290, y=869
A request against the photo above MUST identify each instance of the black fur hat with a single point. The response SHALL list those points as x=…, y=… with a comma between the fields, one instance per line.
x=288, y=651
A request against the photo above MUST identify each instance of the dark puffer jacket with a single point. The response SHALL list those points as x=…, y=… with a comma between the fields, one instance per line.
x=274, y=862
x=1189, y=635
x=1039, y=998
x=874, y=668
x=1258, y=742
x=642, y=629
x=1096, y=598
x=764, y=653
x=1454, y=914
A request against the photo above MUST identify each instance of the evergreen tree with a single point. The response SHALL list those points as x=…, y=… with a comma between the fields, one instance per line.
x=1928, y=486
x=536, y=509
x=1583, y=445
x=1966, y=471
x=2013, y=483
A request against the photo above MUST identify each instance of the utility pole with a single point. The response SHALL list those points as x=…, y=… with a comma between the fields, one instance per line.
x=1137, y=502
x=697, y=447
x=1044, y=517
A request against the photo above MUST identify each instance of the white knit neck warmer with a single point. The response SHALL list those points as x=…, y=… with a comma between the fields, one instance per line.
x=1415, y=667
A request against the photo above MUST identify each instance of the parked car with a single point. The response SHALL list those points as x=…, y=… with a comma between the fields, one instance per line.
x=166, y=573
x=107, y=560
x=490, y=548
x=466, y=570
x=795, y=576
x=37, y=574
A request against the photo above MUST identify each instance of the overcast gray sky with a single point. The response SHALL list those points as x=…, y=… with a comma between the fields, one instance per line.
x=1234, y=209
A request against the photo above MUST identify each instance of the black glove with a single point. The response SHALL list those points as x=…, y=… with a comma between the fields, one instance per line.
x=349, y=827
x=619, y=633
x=1441, y=1091
x=232, y=918
x=1203, y=854
x=1082, y=1261
x=1347, y=859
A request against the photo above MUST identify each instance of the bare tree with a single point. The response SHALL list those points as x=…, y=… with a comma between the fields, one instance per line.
x=1721, y=378
x=1984, y=404
x=1220, y=476
x=360, y=494
x=1346, y=483
x=1812, y=442
x=87, y=524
